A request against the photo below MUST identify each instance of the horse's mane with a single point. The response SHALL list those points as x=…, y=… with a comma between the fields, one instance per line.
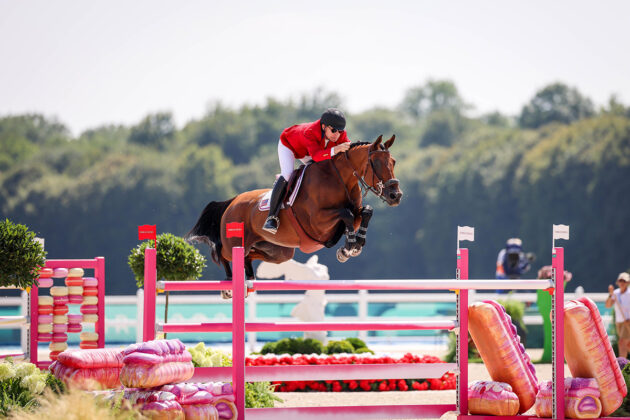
x=359, y=143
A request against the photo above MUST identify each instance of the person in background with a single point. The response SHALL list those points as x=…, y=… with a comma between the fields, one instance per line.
x=512, y=262
x=620, y=299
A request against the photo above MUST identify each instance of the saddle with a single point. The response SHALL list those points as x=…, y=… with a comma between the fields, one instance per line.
x=307, y=243
x=293, y=186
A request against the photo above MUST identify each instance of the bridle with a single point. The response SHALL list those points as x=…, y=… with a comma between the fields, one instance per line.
x=379, y=187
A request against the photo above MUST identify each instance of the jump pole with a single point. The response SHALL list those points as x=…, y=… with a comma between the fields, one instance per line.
x=238, y=329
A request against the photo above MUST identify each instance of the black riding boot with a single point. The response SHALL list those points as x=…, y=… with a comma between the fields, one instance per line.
x=272, y=222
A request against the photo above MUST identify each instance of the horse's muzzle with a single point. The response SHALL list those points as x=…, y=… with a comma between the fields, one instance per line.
x=392, y=193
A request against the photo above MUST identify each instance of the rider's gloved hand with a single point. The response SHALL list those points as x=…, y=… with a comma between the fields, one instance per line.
x=340, y=148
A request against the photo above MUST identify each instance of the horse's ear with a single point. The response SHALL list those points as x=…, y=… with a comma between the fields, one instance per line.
x=378, y=141
x=389, y=142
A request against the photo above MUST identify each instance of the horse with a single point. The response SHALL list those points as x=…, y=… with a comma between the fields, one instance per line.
x=328, y=204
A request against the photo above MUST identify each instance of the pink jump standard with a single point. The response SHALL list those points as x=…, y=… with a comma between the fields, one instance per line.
x=239, y=373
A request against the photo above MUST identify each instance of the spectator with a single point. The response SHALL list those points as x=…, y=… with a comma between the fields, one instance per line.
x=620, y=298
x=512, y=262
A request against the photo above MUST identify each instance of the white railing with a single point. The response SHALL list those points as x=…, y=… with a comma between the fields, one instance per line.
x=362, y=298
x=21, y=321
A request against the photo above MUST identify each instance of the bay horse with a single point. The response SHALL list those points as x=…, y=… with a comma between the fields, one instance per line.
x=328, y=204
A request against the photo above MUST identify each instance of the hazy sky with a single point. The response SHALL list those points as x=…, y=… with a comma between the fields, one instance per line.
x=96, y=62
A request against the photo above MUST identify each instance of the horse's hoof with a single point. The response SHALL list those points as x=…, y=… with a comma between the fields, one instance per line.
x=226, y=294
x=356, y=252
x=341, y=256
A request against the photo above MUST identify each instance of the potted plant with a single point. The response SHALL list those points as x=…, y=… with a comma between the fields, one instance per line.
x=21, y=256
x=176, y=260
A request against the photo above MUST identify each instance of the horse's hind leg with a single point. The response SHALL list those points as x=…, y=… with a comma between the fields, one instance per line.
x=226, y=294
x=249, y=275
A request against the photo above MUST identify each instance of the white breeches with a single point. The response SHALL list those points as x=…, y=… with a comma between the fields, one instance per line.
x=287, y=160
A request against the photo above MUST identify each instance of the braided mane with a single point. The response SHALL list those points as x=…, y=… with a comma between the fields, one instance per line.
x=359, y=143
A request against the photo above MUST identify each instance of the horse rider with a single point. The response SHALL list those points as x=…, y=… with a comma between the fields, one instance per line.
x=318, y=140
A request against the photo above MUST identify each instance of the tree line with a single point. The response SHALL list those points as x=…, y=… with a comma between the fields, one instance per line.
x=561, y=160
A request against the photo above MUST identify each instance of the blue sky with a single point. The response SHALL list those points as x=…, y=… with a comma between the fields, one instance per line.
x=100, y=62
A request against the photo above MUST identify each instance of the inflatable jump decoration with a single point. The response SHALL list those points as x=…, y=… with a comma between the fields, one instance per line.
x=589, y=354
x=581, y=399
x=492, y=398
x=155, y=363
x=502, y=352
x=89, y=369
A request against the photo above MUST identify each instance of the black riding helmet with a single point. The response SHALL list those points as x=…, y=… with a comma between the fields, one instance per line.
x=334, y=118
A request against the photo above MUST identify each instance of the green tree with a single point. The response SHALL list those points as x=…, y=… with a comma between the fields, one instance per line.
x=555, y=103
x=435, y=95
x=155, y=130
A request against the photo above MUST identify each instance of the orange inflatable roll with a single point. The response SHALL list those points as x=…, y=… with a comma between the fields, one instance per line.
x=492, y=398
x=502, y=352
x=589, y=353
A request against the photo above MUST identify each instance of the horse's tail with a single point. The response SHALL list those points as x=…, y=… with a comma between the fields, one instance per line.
x=208, y=228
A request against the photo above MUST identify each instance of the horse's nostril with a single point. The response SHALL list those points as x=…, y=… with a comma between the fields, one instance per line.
x=393, y=196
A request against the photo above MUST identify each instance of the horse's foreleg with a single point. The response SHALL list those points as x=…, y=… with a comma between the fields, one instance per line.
x=345, y=252
x=366, y=215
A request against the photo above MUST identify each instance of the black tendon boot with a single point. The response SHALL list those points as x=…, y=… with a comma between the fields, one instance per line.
x=272, y=222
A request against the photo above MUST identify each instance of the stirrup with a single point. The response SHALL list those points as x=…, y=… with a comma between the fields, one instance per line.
x=270, y=226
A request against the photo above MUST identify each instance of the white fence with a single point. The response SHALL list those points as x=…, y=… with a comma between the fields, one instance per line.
x=362, y=299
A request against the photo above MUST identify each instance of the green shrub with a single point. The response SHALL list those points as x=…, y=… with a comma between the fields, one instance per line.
x=314, y=346
x=176, y=259
x=21, y=257
x=624, y=409
x=203, y=356
x=21, y=384
x=260, y=395
x=339, y=347
x=516, y=310
x=293, y=346
x=357, y=343
x=257, y=394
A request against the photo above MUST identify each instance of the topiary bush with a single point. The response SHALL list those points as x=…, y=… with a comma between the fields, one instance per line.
x=21, y=257
x=176, y=259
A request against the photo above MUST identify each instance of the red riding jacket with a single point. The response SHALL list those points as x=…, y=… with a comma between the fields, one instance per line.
x=308, y=140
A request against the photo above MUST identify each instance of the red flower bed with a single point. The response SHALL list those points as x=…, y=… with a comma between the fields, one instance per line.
x=447, y=381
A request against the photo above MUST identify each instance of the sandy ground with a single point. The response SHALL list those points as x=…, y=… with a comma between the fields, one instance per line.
x=476, y=371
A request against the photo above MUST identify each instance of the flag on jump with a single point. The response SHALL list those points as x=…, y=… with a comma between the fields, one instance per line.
x=465, y=233
x=235, y=230
x=561, y=232
x=148, y=232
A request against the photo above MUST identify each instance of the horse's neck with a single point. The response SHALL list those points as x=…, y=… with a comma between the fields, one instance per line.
x=352, y=166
